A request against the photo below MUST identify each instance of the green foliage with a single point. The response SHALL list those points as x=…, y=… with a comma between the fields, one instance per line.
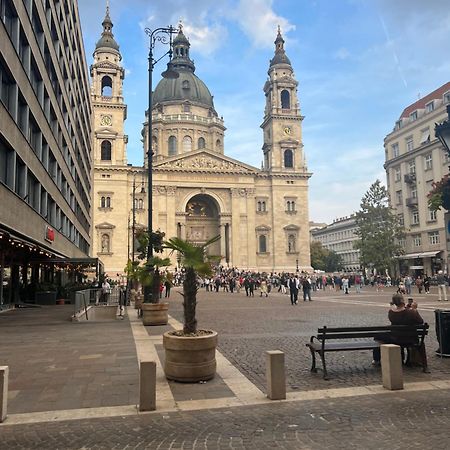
x=324, y=259
x=438, y=196
x=142, y=240
x=196, y=262
x=378, y=230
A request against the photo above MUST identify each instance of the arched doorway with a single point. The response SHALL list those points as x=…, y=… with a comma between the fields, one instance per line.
x=202, y=221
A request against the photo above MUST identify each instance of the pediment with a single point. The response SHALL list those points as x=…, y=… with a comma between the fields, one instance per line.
x=105, y=65
x=204, y=161
x=105, y=226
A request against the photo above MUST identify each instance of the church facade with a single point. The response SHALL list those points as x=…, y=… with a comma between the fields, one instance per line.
x=198, y=192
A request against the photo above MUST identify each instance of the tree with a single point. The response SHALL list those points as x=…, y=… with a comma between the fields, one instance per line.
x=196, y=262
x=324, y=259
x=378, y=230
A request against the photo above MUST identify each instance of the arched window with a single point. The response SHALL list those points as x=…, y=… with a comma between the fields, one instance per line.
x=291, y=243
x=288, y=158
x=108, y=202
x=136, y=203
x=218, y=145
x=185, y=84
x=102, y=202
x=172, y=145
x=258, y=207
x=154, y=144
x=201, y=142
x=106, y=151
x=263, y=206
x=285, y=99
x=186, y=107
x=262, y=243
x=141, y=204
x=187, y=144
x=106, y=86
x=105, y=243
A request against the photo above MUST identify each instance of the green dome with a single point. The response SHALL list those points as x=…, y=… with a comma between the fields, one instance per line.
x=187, y=87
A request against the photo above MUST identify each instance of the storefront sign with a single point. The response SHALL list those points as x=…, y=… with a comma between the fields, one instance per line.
x=49, y=234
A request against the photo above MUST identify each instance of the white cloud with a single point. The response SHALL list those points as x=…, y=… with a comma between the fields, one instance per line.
x=205, y=39
x=259, y=21
x=342, y=54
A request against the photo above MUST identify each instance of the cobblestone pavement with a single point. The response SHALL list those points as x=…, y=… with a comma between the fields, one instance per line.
x=397, y=420
x=56, y=364
x=249, y=326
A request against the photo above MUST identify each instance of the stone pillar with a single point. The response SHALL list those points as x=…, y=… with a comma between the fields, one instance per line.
x=222, y=243
x=391, y=367
x=171, y=221
x=236, y=195
x=251, y=225
x=147, y=386
x=4, y=373
x=275, y=375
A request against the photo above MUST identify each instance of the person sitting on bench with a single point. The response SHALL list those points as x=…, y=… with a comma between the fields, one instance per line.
x=399, y=314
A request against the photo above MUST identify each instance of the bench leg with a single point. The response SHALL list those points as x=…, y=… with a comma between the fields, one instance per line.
x=313, y=356
x=322, y=357
x=423, y=354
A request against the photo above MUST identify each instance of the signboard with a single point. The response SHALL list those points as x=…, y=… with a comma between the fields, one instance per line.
x=49, y=234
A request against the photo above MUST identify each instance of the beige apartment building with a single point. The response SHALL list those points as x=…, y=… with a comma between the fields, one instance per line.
x=340, y=237
x=198, y=192
x=45, y=146
x=414, y=159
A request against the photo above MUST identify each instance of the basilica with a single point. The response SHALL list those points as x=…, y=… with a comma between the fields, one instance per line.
x=198, y=192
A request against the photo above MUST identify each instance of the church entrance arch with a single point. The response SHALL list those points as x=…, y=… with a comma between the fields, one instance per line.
x=202, y=221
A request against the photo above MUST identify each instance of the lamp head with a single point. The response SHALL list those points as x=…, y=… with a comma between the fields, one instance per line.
x=170, y=72
x=442, y=132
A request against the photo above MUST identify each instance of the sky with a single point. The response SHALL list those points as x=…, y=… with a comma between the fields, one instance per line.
x=359, y=63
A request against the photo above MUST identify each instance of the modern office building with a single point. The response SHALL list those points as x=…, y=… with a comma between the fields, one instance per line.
x=45, y=139
x=261, y=215
x=340, y=237
x=414, y=160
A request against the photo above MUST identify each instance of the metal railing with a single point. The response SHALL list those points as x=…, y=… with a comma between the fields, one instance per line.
x=87, y=297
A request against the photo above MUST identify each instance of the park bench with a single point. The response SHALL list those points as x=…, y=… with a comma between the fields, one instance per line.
x=367, y=338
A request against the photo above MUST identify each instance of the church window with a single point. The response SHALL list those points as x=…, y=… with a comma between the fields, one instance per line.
x=106, y=86
x=141, y=204
x=288, y=159
x=186, y=107
x=185, y=84
x=105, y=243
x=285, y=99
x=290, y=206
x=291, y=243
x=154, y=144
x=103, y=202
x=106, y=151
x=261, y=206
x=218, y=145
x=201, y=142
x=172, y=145
x=108, y=202
x=187, y=144
x=262, y=243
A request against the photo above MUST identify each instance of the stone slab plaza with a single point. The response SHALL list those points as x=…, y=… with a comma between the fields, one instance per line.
x=76, y=385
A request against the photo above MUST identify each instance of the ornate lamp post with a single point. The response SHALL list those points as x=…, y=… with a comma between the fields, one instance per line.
x=442, y=132
x=164, y=36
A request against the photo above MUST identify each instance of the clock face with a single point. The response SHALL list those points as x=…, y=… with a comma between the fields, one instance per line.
x=106, y=120
x=288, y=131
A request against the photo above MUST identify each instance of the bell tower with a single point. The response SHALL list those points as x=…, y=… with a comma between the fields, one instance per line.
x=282, y=124
x=109, y=109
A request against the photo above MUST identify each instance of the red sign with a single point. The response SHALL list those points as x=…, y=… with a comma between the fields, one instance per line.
x=49, y=234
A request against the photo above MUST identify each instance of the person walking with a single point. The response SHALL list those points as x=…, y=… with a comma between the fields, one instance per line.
x=251, y=287
x=426, y=284
x=167, y=285
x=263, y=288
x=442, y=288
x=293, y=290
x=306, y=287
x=345, y=285
x=106, y=291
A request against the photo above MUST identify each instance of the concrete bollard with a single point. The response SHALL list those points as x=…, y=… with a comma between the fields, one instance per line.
x=275, y=375
x=147, y=386
x=4, y=373
x=391, y=367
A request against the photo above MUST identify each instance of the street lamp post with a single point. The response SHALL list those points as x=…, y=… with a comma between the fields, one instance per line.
x=442, y=132
x=163, y=35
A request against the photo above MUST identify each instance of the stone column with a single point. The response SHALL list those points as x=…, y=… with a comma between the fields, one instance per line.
x=171, y=220
x=222, y=243
x=251, y=225
x=236, y=195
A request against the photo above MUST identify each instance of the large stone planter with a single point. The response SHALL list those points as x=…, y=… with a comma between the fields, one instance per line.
x=190, y=359
x=155, y=313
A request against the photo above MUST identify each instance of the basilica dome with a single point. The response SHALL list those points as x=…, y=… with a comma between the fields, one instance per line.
x=187, y=86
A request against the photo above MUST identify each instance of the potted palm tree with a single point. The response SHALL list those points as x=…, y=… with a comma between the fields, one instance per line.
x=149, y=276
x=190, y=353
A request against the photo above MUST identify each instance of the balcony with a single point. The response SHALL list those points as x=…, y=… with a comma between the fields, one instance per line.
x=412, y=202
x=410, y=178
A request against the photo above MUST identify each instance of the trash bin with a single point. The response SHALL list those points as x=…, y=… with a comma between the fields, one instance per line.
x=443, y=331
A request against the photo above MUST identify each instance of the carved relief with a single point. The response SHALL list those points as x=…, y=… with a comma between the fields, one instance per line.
x=206, y=163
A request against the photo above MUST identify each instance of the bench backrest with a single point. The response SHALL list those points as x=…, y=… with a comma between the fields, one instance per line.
x=400, y=333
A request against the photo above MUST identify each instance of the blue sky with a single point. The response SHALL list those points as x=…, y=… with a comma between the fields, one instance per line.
x=358, y=63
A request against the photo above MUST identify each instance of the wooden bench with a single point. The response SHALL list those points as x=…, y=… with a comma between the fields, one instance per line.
x=367, y=338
